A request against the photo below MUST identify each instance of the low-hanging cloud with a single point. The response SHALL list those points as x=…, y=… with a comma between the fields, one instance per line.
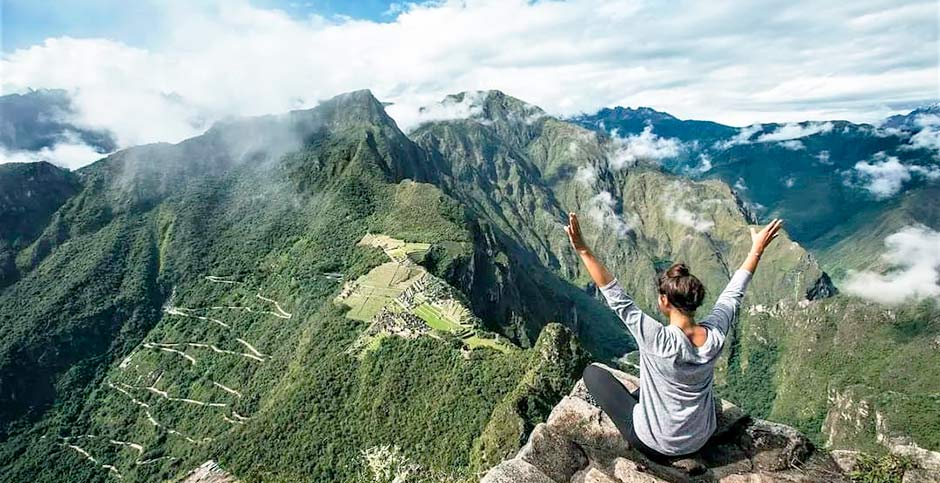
x=884, y=176
x=793, y=131
x=792, y=145
x=586, y=175
x=928, y=137
x=672, y=201
x=646, y=146
x=70, y=153
x=704, y=164
x=786, y=136
x=913, y=258
x=742, y=137
x=231, y=58
x=601, y=209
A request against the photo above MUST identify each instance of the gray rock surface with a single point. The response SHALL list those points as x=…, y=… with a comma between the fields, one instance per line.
x=209, y=472
x=580, y=444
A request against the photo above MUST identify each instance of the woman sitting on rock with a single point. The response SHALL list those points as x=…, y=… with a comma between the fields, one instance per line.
x=673, y=413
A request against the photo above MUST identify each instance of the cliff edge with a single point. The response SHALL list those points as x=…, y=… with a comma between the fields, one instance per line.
x=580, y=444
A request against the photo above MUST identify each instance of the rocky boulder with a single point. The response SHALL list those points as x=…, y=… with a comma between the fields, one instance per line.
x=209, y=472
x=580, y=444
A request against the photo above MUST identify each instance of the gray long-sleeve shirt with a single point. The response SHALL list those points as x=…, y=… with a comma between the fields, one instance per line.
x=676, y=413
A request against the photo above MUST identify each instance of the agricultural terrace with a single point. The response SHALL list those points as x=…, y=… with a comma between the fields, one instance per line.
x=399, y=291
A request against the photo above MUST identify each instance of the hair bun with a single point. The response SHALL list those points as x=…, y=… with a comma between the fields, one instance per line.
x=678, y=270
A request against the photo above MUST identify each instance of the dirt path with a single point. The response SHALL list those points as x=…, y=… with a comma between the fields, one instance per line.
x=227, y=389
x=86, y=455
x=169, y=348
x=280, y=311
x=183, y=350
x=147, y=412
x=217, y=279
x=184, y=312
x=249, y=347
x=165, y=395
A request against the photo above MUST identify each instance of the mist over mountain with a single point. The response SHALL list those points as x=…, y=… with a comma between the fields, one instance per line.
x=42, y=125
x=830, y=180
x=286, y=293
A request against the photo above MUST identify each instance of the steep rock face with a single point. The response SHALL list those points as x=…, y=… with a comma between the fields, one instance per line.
x=580, y=444
x=857, y=418
x=557, y=359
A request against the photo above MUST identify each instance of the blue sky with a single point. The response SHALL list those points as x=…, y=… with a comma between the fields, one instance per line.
x=29, y=22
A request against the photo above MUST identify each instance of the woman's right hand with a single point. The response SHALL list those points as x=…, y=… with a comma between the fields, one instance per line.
x=761, y=239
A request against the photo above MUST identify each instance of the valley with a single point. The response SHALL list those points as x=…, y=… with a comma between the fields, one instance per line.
x=285, y=302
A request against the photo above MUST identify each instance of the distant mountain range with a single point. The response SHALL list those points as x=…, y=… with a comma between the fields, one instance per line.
x=836, y=183
x=175, y=303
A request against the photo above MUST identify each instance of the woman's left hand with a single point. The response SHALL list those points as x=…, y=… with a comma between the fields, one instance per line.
x=574, y=234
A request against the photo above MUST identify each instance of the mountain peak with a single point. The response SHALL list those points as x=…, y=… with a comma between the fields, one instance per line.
x=909, y=121
x=355, y=106
x=492, y=105
x=641, y=113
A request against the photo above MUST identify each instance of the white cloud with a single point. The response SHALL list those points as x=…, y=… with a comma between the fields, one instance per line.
x=789, y=182
x=790, y=131
x=929, y=135
x=885, y=175
x=693, y=59
x=586, y=175
x=929, y=172
x=685, y=217
x=786, y=136
x=793, y=145
x=823, y=157
x=469, y=106
x=742, y=137
x=645, y=146
x=673, y=209
x=913, y=257
x=705, y=164
x=601, y=209
x=69, y=154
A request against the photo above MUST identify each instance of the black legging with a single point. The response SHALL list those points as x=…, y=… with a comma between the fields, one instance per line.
x=617, y=402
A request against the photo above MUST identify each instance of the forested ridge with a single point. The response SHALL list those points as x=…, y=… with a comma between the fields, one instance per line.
x=172, y=304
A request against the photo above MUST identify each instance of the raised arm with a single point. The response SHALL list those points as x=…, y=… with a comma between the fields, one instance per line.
x=726, y=307
x=759, y=242
x=641, y=326
x=595, y=268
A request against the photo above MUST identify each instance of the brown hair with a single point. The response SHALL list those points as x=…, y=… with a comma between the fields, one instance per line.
x=682, y=289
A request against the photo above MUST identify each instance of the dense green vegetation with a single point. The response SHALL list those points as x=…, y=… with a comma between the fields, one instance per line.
x=125, y=278
x=176, y=303
x=884, y=469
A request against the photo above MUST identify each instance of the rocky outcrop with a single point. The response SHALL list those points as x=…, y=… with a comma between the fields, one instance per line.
x=823, y=288
x=209, y=472
x=580, y=444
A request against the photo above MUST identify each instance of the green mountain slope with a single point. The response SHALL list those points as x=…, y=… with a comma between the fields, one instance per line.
x=641, y=219
x=802, y=172
x=123, y=342
x=285, y=292
x=30, y=194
